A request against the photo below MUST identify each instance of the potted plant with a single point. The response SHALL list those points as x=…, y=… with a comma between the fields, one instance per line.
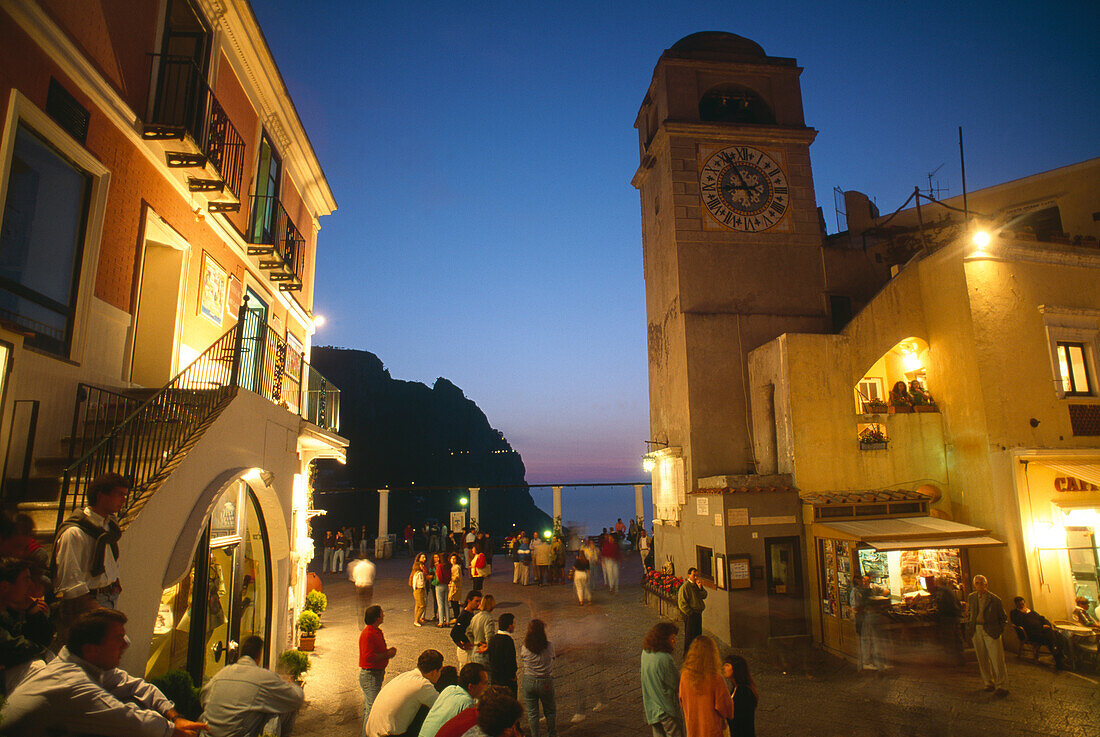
x=874, y=406
x=316, y=602
x=294, y=663
x=872, y=438
x=308, y=623
x=921, y=399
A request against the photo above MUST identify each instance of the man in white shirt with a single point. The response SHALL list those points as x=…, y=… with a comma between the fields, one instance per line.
x=239, y=700
x=83, y=691
x=361, y=573
x=86, y=552
x=401, y=705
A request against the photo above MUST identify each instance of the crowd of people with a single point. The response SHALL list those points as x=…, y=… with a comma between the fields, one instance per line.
x=62, y=639
x=491, y=675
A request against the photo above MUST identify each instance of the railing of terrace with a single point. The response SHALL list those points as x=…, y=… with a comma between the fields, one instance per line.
x=184, y=100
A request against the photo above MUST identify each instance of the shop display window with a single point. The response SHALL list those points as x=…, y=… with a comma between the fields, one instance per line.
x=904, y=573
x=836, y=558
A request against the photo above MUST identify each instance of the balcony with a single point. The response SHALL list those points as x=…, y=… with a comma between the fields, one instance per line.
x=277, y=241
x=195, y=134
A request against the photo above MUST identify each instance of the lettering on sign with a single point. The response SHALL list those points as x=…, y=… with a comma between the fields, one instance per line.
x=738, y=517
x=1069, y=483
x=717, y=519
x=702, y=506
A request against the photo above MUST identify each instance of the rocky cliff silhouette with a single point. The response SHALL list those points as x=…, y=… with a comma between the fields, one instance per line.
x=406, y=435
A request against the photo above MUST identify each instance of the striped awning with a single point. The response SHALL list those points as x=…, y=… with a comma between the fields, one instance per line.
x=907, y=533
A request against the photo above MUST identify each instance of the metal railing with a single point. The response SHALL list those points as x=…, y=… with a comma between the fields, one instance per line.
x=143, y=445
x=184, y=100
x=272, y=226
x=148, y=442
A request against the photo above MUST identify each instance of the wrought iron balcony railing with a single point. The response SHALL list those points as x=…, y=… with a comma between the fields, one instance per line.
x=147, y=440
x=277, y=241
x=185, y=105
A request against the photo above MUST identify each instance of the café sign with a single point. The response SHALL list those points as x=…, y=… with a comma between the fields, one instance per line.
x=1069, y=483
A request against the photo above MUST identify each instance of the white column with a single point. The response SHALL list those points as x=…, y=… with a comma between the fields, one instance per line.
x=383, y=513
x=639, y=509
x=557, y=505
x=475, y=508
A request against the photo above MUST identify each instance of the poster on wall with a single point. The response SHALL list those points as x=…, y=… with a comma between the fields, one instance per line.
x=702, y=506
x=458, y=521
x=740, y=567
x=212, y=290
x=293, y=357
x=234, y=296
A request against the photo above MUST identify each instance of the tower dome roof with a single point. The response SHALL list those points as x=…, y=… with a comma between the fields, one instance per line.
x=716, y=45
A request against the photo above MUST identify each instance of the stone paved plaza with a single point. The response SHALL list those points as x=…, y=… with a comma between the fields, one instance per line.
x=596, y=674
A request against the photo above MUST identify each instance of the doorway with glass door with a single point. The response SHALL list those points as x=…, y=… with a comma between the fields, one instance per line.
x=252, y=343
x=224, y=598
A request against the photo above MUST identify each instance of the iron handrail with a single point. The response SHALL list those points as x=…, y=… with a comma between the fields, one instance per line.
x=143, y=444
x=185, y=100
x=272, y=226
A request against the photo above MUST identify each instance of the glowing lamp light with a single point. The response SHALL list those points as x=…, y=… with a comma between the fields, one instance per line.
x=648, y=464
x=546, y=534
x=318, y=320
x=1048, y=535
x=464, y=501
x=981, y=239
x=911, y=361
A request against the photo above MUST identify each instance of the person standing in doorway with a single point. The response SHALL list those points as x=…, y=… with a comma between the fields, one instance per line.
x=985, y=624
x=690, y=601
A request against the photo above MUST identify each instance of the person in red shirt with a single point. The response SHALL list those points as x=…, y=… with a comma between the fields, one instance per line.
x=374, y=656
x=609, y=557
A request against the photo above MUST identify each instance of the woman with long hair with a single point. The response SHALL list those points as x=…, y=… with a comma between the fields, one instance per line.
x=418, y=580
x=537, y=655
x=581, y=567
x=703, y=696
x=440, y=582
x=478, y=566
x=482, y=628
x=744, y=695
x=660, y=681
x=454, y=586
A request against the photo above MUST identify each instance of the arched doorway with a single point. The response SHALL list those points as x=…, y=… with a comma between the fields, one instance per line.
x=225, y=596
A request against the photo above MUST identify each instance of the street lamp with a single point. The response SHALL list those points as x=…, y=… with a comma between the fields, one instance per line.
x=648, y=463
x=546, y=534
x=464, y=501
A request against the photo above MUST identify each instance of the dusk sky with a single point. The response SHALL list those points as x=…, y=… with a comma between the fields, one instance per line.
x=481, y=156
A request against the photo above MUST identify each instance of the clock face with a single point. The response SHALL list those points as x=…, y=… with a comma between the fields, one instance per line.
x=744, y=188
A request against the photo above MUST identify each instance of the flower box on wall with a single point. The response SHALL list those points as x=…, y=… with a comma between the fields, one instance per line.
x=874, y=408
x=872, y=446
x=901, y=409
x=925, y=408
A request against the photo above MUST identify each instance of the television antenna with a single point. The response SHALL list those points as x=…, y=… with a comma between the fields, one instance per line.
x=934, y=190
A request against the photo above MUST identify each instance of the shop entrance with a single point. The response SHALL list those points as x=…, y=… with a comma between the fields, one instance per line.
x=786, y=608
x=225, y=598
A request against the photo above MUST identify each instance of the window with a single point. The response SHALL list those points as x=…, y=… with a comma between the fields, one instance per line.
x=41, y=242
x=1073, y=339
x=1073, y=369
x=266, y=203
x=704, y=561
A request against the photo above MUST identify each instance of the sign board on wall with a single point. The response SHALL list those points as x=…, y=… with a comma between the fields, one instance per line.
x=738, y=517
x=458, y=521
x=717, y=519
x=1069, y=483
x=740, y=572
x=702, y=506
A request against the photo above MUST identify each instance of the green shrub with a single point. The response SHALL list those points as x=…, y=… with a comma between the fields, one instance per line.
x=316, y=602
x=308, y=622
x=294, y=663
x=178, y=687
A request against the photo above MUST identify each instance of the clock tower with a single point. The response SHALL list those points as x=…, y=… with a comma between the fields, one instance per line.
x=731, y=239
